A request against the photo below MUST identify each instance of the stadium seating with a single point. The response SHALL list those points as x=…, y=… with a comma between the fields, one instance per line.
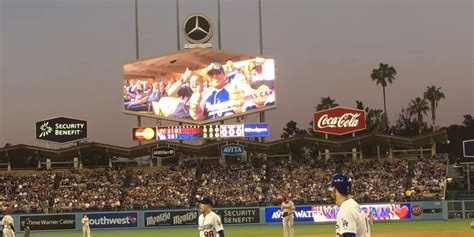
x=260, y=182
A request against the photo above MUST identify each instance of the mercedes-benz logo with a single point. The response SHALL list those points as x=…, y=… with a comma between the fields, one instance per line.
x=197, y=29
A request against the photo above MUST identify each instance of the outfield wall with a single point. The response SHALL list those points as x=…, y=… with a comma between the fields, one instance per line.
x=165, y=218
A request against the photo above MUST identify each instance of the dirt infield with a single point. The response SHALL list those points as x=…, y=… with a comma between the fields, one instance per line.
x=420, y=233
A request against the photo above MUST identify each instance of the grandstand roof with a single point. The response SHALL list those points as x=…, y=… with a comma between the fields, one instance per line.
x=212, y=147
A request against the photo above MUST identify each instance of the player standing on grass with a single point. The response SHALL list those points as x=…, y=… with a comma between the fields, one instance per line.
x=86, y=230
x=27, y=227
x=8, y=226
x=288, y=210
x=210, y=224
x=350, y=220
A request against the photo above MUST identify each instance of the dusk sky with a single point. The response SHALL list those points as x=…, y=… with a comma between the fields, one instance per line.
x=65, y=57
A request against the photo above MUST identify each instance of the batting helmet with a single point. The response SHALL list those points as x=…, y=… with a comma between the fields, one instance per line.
x=342, y=183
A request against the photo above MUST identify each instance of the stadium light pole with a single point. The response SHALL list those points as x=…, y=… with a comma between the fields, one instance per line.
x=262, y=114
x=137, y=55
x=178, y=41
x=219, y=45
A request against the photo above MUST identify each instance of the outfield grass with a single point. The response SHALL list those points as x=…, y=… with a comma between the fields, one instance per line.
x=458, y=228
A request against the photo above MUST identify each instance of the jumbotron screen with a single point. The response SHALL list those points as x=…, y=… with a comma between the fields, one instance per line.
x=216, y=90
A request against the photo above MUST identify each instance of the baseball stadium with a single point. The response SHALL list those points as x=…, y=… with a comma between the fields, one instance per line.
x=157, y=118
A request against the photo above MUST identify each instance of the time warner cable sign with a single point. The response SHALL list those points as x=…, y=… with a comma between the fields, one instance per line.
x=61, y=130
x=113, y=220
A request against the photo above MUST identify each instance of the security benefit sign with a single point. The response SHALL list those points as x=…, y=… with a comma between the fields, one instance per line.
x=61, y=130
x=50, y=222
x=239, y=216
x=171, y=218
x=112, y=220
x=328, y=213
x=232, y=149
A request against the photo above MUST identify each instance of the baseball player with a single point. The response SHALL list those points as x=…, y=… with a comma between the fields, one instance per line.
x=210, y=224
x=350, y=220
x=288, y=210
x=8, y=226
x=86, y=230
x=27, y=227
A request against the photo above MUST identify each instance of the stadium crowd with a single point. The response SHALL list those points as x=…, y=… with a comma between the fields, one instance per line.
x=378, y=180
x=259, y=182
x=234, y=185
x=26, y=192
x=305, y=181
x=163, y=188
x=429, y=177
x=89, y=189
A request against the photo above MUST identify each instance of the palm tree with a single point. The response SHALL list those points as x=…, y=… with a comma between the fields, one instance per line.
x=376, y=121
x=468, y=120
x=433, y=94
x=291, y=130
x=384, y=75
x=326, y=103
x=418, y=107
x=360, y=105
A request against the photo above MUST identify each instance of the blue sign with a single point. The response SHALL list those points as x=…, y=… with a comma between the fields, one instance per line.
x=302, y=214
x=256, y=130
x=113, y=220
x=232, y=149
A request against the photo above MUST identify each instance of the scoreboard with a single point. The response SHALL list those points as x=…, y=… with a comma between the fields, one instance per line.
x=178, y=132
x=223, y=131
x=203, y=131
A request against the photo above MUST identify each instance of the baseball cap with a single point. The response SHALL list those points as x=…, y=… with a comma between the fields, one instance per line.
x=206, y=200
x=215, y=67
x=8, y=211
x=342, y=183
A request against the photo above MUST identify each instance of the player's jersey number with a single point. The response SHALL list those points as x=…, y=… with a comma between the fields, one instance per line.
x=208, y=234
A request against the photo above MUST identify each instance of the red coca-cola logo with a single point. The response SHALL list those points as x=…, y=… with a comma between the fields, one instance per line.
x=339, y=121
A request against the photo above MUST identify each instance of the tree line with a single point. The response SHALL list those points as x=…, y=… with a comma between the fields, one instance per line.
x=410, y=121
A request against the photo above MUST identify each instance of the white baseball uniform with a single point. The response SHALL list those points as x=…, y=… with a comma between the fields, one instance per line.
x=7, y=230
x=86, y=230
x=289, y=220
x=209, y=225
x=351, y=219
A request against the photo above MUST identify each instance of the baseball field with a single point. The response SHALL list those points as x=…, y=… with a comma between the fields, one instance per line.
x=454, y=228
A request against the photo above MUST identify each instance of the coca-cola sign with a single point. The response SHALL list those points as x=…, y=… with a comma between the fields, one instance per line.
x=339, y=121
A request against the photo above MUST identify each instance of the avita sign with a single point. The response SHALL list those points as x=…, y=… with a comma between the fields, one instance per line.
x=339, y=121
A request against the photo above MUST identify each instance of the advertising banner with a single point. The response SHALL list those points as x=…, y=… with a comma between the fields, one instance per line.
x=112, y=220
x=239, y=216
x=339, y=121
x=171, y=218
x=328, y=213
x=61, y=130
x=50, y=222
